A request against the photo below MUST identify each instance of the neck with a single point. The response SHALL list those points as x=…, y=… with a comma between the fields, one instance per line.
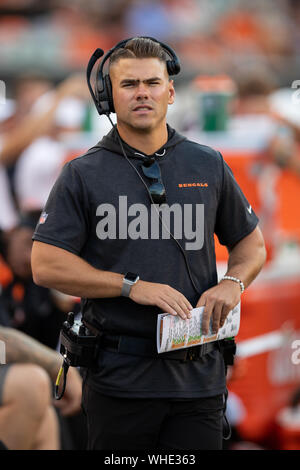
x=144, y=140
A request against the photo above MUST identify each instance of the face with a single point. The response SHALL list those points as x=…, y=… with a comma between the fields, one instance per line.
x=142, y=92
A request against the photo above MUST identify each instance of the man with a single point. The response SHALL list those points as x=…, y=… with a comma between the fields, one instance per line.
x=100, y=223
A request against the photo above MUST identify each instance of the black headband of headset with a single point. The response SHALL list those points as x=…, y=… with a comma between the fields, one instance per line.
x=99, y=53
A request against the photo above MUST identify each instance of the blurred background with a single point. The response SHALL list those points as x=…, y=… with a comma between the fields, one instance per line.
x=238, y=91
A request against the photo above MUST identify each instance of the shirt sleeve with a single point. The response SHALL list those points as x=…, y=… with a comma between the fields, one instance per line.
x=235, y=217
x=64, y=220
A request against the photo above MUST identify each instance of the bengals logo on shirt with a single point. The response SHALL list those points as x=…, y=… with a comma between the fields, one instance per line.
x=192, y=185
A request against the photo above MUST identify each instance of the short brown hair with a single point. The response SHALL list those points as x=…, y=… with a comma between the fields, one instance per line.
x=139, y=48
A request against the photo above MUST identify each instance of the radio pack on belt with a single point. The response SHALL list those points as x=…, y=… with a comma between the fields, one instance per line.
x=78, y=344
x=228, y=350
x=78, y=347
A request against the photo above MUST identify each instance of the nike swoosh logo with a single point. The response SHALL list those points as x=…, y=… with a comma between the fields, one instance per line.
x=249, y=209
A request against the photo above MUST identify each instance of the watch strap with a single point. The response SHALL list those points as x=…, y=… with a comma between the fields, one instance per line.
x=126, y=288
x=128, y=283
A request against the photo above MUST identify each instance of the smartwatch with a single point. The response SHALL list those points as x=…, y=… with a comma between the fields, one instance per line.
x=128, y=281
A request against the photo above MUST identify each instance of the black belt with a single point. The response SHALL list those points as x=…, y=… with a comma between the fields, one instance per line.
x=147, y=347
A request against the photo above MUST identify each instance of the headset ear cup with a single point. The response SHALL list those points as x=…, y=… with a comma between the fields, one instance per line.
x=173, y=67
x=108, y=88
x=103, y=93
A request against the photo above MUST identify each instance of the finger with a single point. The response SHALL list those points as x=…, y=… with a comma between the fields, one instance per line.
x=170, y=305
x=185, y=306
x=180, y=299
x=165, y=307
x=181, y=305
x=201, y=302
x=188, y=306
x=206, y=317
x=224, y=314
x=216, y=316
x=175, y=304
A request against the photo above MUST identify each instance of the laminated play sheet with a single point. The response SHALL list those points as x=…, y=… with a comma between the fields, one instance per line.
x=175, y=333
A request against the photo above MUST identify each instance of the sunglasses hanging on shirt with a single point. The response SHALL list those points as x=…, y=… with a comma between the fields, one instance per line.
x=157, y=190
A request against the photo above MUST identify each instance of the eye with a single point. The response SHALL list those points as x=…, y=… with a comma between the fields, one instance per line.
x=128, y=85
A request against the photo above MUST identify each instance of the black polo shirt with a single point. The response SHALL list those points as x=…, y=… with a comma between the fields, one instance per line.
x=100, y=210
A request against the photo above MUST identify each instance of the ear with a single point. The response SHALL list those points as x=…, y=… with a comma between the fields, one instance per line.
x=171, y=92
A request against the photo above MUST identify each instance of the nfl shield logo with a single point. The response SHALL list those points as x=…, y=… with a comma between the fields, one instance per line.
x=43, y=217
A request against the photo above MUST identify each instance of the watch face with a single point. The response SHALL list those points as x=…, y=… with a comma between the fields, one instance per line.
x=131, y=276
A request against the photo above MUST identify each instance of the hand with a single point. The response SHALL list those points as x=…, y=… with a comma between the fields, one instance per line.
x=70, y=403
x=74, y=85
x=169, y=300
x=217, y=302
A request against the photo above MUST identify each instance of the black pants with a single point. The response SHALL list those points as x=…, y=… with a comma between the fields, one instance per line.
x=142, y=424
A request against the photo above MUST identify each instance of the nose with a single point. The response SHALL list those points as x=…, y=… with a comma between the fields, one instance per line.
x=142, y=92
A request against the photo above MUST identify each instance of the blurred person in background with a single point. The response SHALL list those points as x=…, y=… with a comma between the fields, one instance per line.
x=20, y=129
x=37, y=311
x=257, y=112
x=41, y=162
x=25, y=307
x=27, y=417
x=36, y=171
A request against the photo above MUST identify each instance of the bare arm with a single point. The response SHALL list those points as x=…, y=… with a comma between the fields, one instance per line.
x=247, y=257
x=21, y=348
x=15, y=141
x=33, y=126
x=59, y=269
x=245, y=261
x=56, y=268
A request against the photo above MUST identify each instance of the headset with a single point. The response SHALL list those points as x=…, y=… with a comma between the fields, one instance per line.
x=102, y=95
